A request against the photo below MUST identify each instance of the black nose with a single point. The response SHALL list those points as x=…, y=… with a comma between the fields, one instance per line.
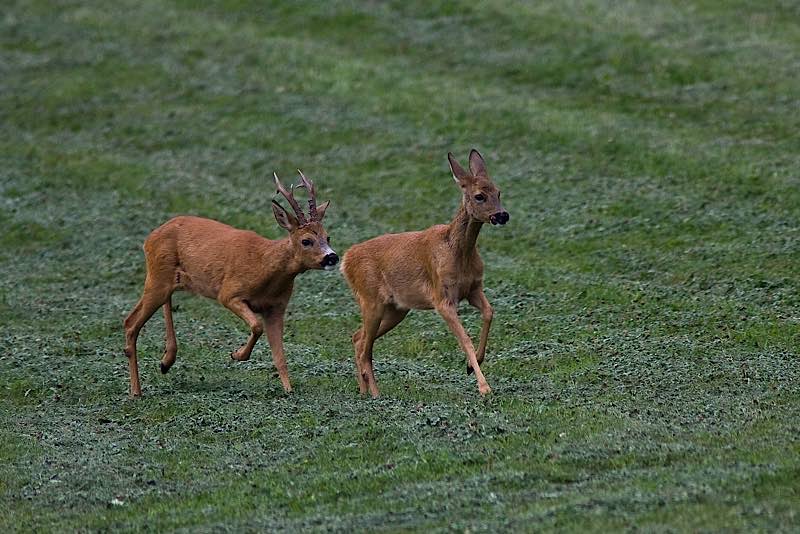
x=330, y=259
x=501, y=217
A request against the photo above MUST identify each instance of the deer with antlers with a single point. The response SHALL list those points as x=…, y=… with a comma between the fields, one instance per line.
x=434, y=268
x=250, y=275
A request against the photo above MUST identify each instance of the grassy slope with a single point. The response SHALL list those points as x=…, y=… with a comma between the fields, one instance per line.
x=643, y=354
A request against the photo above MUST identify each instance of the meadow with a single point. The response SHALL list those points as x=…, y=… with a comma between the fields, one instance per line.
x=643, y=356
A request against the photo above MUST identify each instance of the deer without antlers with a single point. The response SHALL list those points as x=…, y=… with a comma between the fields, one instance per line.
x=250, y=275
x=434, y=268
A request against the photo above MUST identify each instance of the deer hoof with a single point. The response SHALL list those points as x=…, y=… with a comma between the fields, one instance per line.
x=164, y=368
x=237, y=355
x=470, y=370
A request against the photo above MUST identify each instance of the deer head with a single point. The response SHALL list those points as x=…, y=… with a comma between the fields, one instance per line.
x=310, y=240
x=481, y=196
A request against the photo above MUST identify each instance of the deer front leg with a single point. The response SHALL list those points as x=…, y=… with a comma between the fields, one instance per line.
x=242, y=310
x=478, y=299
x=273, y=325
x=448, y=312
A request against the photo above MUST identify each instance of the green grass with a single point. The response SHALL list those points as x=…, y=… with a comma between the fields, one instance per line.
x=646, y=291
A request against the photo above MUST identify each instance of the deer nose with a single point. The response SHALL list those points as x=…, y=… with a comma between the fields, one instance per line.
x=330, y=260
x=500, y=217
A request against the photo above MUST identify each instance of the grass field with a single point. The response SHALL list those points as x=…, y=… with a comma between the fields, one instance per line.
x=647, y=290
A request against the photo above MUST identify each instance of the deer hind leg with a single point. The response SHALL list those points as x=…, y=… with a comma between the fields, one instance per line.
x=171, y=346
x=153, y=297
x=362, y=383
x=450, y=315
x=371, y=317
x=392, y=316
x=478, y=299
x=243, y=311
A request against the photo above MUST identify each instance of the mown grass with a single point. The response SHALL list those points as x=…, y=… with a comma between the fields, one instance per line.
x=643, y=356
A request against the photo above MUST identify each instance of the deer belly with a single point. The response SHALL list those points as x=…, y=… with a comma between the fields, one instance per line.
x=409, y=298
x=195, y=284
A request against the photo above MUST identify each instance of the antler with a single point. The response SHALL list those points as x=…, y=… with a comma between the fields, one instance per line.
x=312, y=195
x=289, y=195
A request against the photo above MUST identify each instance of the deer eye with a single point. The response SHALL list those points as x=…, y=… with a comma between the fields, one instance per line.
x=307, y=242
x=480, y=197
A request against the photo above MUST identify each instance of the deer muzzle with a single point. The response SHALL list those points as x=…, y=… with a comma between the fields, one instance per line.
x=329, y=261
x=501, y=217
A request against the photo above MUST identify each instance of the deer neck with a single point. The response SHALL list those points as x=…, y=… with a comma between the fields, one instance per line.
x=280, y=255
x=463, y=233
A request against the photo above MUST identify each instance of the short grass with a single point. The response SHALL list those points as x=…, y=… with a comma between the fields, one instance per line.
x=647, y=292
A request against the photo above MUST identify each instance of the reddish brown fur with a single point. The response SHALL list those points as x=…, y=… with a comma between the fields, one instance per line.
x=250, y=275
x=431, y=269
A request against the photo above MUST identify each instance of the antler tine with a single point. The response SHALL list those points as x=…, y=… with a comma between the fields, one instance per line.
x=289, y=195
x=312, y=195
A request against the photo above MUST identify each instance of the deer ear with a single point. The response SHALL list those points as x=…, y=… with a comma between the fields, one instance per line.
x=459, y=175
x=321, y=210
x=285, y=219
x=476, y=163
